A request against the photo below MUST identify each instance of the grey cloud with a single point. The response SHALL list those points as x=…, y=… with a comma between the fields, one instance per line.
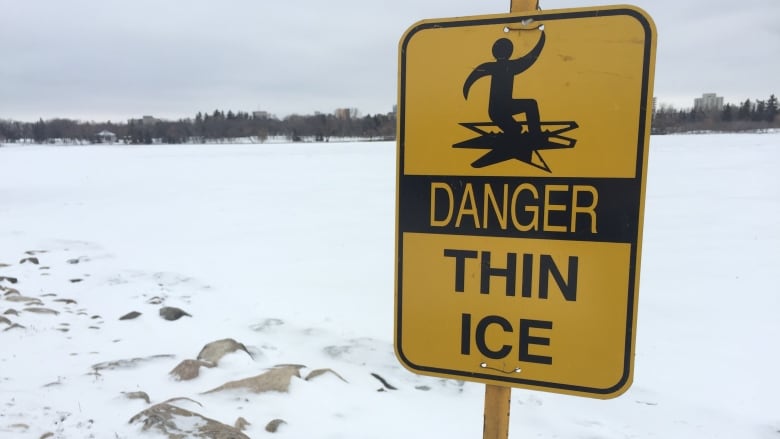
x=96, y=59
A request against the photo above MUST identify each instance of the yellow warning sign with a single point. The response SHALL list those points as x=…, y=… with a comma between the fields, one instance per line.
x=522, y=150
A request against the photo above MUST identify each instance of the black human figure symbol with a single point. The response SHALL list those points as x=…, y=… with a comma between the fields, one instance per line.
x=502, y=107
x=512, y=142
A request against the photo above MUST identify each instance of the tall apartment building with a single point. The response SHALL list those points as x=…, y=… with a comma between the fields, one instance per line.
x=708, y=102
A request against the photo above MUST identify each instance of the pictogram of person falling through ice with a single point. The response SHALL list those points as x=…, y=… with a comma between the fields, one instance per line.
x=520, y=140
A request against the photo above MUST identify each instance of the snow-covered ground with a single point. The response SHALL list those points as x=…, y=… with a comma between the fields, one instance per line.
x=288, y=249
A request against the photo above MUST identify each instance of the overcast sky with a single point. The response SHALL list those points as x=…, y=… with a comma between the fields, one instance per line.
x=115, y=59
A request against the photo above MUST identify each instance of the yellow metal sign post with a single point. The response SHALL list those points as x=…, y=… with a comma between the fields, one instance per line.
x=522, y=151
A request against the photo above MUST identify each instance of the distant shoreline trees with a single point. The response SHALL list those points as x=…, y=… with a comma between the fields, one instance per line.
x=749, y=115
x=220, y=126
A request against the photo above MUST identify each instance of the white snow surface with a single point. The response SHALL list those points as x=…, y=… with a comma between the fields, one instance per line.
x=289, y=250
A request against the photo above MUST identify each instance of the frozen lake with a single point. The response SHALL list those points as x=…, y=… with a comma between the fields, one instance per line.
x=289, y=250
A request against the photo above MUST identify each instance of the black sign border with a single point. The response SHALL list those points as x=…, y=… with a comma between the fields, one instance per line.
x=623, y=383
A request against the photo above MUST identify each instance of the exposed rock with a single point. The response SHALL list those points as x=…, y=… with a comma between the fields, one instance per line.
x=179, y=423
x=130, y=316
x=38, y=310
x=319, y=372
x=156, y=300
x=25, y=299
x=276, y=379
x=137, y=395
x=299, y=366
x=189, y=369
x=11, y=312
x=66, y=301
x=272, y=426
x=19, y=426
x=73, y=281
x=14, y=326
x=172, y=313
x=128, y=363
x=54, y=383
x=387, y=385
x=215, y=350
x=5, y=320
x=47, y=435
x=31, y=260
x=241, y=423
x=11, y=292
x=2, y=265
x=10, y=279
x=14, y=296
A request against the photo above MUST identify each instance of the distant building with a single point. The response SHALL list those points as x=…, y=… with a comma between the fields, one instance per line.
x=345, y=113
x=708, y=102
x=106, y=136
x=146, y=121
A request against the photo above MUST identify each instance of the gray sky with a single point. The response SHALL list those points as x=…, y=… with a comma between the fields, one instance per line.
x=115, y=59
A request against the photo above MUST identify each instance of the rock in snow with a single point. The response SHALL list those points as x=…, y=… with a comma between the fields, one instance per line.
x=274, y=425
x=130, y=316
x=137, y=395
x=319, y=372
x=176, y=422
x=274, y=380
x=189, y=369
x=214, y=351
x=172, y=313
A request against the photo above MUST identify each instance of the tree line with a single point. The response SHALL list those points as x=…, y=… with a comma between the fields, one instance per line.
x=221, y=126
x=749, y=115
x=217, y=126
